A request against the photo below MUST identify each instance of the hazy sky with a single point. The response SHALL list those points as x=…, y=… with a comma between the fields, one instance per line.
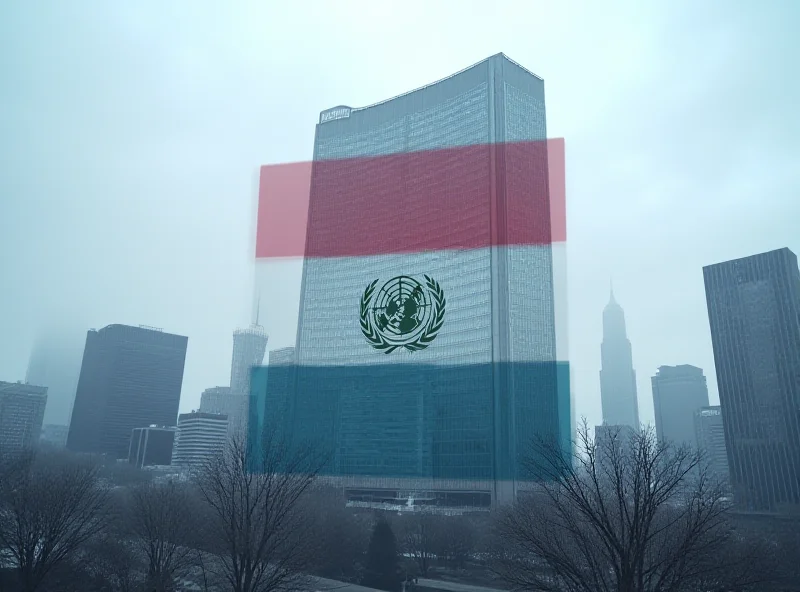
x=131, y=133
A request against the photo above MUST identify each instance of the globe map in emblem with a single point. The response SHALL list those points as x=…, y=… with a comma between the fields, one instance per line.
x=403, y=312
x=401, y=309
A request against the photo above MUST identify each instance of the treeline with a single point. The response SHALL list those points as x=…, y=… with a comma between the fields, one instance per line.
x=623, y=516
x=73, y=523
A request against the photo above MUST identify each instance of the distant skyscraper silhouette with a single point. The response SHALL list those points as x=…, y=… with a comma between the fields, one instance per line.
x=55, y=362
x=130, y=378
x=617, y=376
x=249, y=347
x=221, y=400
x=710, y=436
x=608, y=437
x=21, y=411
x=754, y=314
x=678, y=392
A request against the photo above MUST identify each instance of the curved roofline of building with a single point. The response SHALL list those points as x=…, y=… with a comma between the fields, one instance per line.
x=423, y=87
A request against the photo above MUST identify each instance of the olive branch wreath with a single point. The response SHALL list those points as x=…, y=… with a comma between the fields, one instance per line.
x=377, y=340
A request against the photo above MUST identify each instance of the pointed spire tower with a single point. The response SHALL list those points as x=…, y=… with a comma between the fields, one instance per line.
x=249, y=347
x=617, y=376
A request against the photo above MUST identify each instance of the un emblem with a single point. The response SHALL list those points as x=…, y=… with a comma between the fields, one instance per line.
x=402, y=313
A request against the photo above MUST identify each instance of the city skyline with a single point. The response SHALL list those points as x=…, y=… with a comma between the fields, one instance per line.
x=650, y=167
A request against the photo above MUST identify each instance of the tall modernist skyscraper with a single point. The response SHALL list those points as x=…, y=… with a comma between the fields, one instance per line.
x=754, y=314
x=427, y=347
x=130, y=378
x=678, y=392
x=617, y=376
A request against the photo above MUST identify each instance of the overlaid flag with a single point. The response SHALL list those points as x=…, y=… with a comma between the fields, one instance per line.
x=427, y=239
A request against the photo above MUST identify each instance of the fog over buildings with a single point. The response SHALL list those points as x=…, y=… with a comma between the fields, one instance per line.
x=132, y=136
x=55, y=362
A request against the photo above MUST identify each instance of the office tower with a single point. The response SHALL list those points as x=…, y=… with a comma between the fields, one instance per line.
x=55, y=362
x=754, y=315
x=678, y=392
x=249, y=347
x=151, y=446
x=130, y=377
x=427, y=354
x=710, y=438
x=21, y=411
x=222, y=400
x=200, y=437
x=617, y=376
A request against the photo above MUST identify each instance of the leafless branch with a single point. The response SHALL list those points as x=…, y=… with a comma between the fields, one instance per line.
x=50, y=506
x=160, y=520
x=255, y=500
x=628, y=513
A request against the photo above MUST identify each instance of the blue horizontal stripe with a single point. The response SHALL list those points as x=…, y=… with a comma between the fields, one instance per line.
x=465, y=422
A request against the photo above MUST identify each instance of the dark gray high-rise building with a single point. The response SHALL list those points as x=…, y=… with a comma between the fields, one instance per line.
x=151, y=446
x=678, y=392
x=754, y=314
x=617, y=376
x=130, y=377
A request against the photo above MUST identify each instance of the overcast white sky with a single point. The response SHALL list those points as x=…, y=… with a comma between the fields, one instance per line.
x=130, y=134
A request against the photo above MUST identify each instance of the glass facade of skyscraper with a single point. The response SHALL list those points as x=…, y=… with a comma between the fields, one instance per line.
x=754, y=313
x=461, y=411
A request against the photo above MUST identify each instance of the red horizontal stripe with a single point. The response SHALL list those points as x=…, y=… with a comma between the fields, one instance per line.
x=419, y=201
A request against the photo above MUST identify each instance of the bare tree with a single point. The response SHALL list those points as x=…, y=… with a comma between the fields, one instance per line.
x=456, y=541
x=159, y=521
x=628, y=514
x=116, y=563
x=50, y=506
x=419, y=538
x=255, y=498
